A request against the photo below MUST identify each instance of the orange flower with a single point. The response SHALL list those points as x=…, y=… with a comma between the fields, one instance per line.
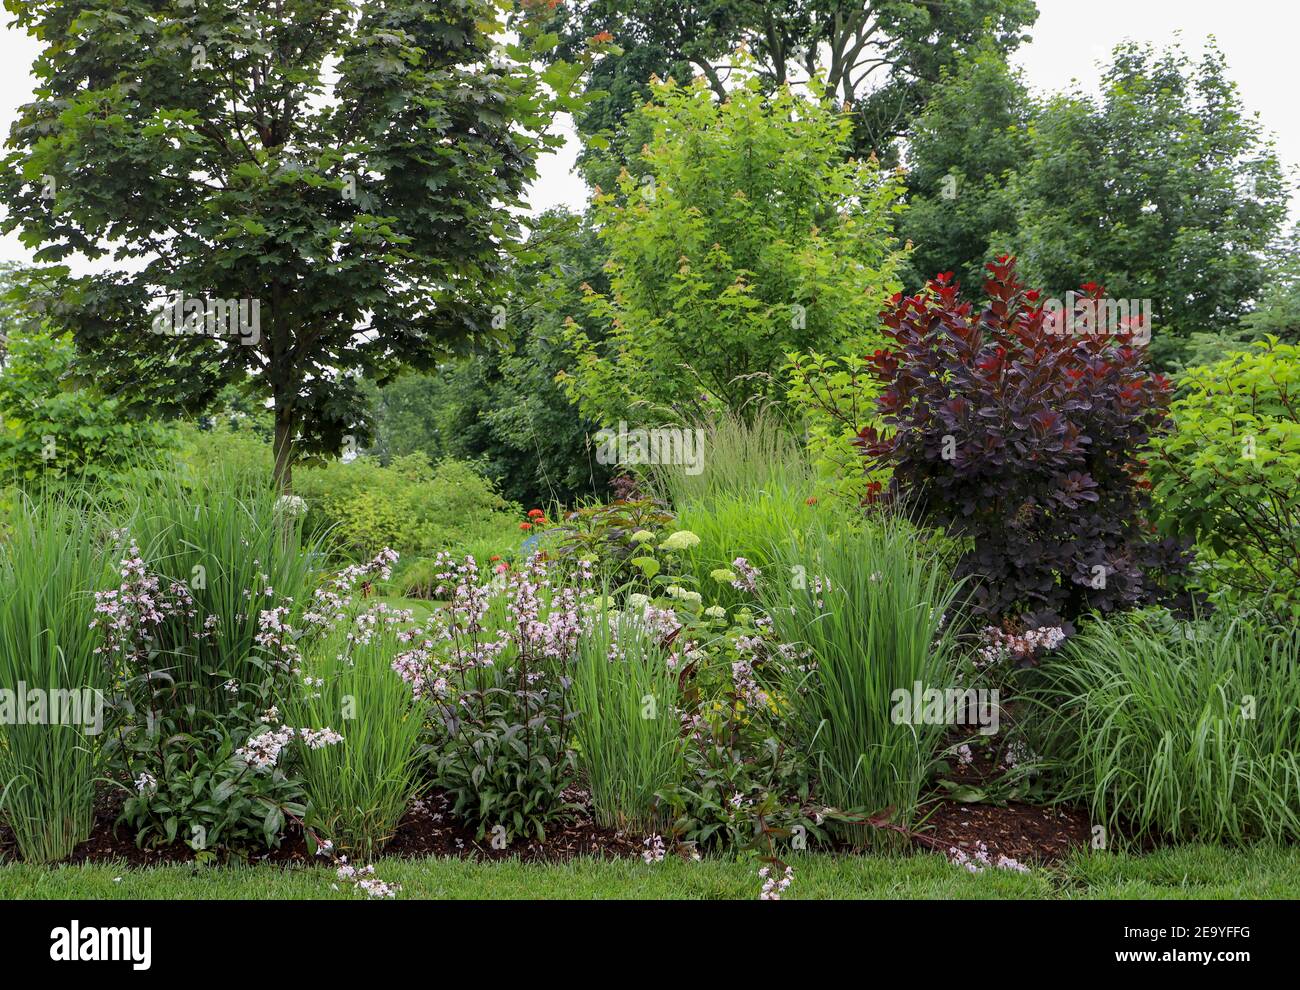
x=603, y=38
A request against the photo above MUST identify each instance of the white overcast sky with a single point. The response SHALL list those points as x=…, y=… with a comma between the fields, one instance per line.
x=1071, y=36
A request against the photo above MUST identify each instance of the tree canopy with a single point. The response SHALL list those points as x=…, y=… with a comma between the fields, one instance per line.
x=338, y=174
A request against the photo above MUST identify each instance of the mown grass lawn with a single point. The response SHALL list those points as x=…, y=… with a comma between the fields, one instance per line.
x=1186, y=872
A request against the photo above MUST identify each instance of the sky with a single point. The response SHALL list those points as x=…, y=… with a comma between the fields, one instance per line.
x=1071, y=36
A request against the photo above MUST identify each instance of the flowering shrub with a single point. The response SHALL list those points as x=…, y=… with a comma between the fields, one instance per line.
x=493, y=665
x=221, y=791
x=1025, y=442
x=612, y=535
x=214, y=776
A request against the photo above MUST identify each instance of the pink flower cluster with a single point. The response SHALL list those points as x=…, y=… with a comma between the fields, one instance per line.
x=130, y=614
x=746, y=685
x=538, y=619
x=774, y=886
x=333, y=602
x=1023, y=648
x=747, y=575
x=981, y=860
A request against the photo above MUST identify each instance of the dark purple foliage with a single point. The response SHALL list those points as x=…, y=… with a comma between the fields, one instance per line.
x=1026, y=442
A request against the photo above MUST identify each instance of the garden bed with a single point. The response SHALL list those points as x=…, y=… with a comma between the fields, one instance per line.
x=1023, y=832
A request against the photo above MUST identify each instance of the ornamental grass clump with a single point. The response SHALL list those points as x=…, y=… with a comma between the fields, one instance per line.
x=359, y=790
x=237, y=554
x=872, y=610
x=627, y=728
x=51, y=562
x=1186, y=731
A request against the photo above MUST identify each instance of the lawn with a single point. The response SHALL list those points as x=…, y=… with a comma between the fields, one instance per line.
x=1196, y=872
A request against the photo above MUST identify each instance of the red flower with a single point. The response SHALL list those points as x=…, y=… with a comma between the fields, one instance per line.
x=534, y=513
x=525, y=525
x=810, y=501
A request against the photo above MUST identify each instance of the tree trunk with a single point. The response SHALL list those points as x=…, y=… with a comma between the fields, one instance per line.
x=283, y=449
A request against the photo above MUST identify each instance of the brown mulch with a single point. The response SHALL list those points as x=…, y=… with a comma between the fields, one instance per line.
x=427, y=829
x=1024, y=832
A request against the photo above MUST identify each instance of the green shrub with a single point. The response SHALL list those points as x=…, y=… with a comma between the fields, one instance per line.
x=194, y=787
x=872, y=607
x=1171, y=730
x=1227, y=475
x=51, y=429
x=748, y=233
x=628, y=739
x=51, y=563
x=238, y=456
x=409, y=505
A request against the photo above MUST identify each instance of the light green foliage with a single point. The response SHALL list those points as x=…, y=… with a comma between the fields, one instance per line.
x=741, y=454
x=1185, y=731
x=239, y=455
x=410, y=506
x=878, y=59
x=749, y=236
x=837, y=397
x=1228, y=475
x=53, y=425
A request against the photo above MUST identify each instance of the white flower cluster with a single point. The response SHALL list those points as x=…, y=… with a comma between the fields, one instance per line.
x=262, y=751
x=773, y=886
x=654, y=849
x=981, y=860
x=365, y=880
